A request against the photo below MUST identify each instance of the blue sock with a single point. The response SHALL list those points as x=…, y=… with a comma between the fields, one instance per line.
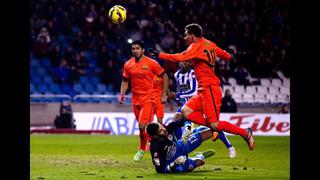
x=224, y=139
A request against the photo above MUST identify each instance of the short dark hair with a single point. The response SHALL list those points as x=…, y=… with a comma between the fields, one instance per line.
x=138, y=42
x=152, y=128
x=195, y=29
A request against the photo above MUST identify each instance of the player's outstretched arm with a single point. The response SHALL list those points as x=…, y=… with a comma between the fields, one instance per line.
x=223, y=54
x=175, y=124
x=178, y=57
x=172, y=167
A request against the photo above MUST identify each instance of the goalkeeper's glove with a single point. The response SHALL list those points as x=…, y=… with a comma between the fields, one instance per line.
x=154, y=52
x=121, y=98
x=186, y=134
x=172, y=166
x=180, y=160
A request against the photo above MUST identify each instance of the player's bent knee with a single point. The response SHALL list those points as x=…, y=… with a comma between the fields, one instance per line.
x=206, y=134
x=214, y=126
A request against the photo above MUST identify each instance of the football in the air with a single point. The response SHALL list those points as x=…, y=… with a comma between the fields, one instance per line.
x=117, y=14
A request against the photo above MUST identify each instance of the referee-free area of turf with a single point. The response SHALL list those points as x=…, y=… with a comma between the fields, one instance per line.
x=110, y=157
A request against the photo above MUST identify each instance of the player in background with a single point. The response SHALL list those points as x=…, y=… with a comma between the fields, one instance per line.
x=204, y=108
x=140, y=70
x=159, y=106
x=170, y=154
x=186, y=88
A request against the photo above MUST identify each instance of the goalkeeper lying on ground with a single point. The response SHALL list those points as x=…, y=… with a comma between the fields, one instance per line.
x=170, y=154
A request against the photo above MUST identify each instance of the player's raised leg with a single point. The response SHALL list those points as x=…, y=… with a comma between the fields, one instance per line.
x=196, y=139
x=192, y=111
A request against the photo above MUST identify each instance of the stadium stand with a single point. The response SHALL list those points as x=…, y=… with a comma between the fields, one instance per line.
x=96, y=50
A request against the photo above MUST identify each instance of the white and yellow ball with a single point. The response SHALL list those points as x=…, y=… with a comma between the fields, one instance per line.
x=117, y=14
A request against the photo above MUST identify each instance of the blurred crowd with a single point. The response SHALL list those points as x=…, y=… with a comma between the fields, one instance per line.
x=78, y=38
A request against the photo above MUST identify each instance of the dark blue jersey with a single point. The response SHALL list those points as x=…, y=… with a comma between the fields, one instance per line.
x=163, y=149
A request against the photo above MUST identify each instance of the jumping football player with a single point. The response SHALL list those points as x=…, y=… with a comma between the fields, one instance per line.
x=186, y=88
x=204, y=108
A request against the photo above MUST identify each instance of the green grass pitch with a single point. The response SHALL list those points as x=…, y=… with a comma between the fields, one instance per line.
x=110, y=157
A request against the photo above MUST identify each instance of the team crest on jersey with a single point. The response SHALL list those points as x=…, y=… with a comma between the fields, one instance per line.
x=207, y=43
x=145, y=67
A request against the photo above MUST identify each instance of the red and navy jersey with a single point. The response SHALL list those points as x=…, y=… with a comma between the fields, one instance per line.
x=163, y=149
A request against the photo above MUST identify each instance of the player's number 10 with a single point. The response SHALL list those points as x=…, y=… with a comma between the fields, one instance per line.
x=211, y=56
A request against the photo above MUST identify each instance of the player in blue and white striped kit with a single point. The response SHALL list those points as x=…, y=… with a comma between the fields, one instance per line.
x=186, y=88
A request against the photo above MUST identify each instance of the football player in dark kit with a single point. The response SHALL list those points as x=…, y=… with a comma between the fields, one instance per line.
x=169, y=152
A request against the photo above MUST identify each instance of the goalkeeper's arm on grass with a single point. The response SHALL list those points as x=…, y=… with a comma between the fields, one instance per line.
x=176, y=165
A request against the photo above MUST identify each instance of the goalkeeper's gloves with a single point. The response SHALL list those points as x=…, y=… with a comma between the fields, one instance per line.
x=179, y=160
x=154, y=52
x=121, y=98
x=186, y=134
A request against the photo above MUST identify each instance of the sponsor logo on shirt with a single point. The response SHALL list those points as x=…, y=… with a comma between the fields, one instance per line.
x=184, y=87
x=171, y=151
x=138, y=75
